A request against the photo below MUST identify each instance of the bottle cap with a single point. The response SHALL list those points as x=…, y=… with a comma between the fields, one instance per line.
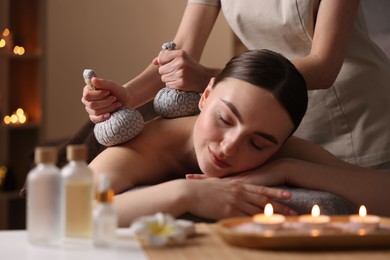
x=45, y=154
x=104, y=192
x=76, y=152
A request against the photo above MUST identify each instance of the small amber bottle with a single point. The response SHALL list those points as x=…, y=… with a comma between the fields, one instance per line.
x=104, y=215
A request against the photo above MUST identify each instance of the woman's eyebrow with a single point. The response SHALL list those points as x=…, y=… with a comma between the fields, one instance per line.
x=269, y=137
x=234, y=110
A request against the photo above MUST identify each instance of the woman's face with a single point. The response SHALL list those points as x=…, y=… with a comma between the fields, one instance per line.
x=239, y=128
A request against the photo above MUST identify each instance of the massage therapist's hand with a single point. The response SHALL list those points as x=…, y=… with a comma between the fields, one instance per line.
x=216, y=198
x=179, y=70
x=107, y=98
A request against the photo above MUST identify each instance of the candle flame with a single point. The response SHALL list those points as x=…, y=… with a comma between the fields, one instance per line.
x=19, y=50
x=362, y=211
x=7, y=120
x=19, y=117
x=268, y=210
x=14, y=119
x=315, y=211
x=6, y=32
x=19, y=112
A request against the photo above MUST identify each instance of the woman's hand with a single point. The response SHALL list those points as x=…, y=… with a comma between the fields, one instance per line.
x=273, y=173
x=215, y=198
x=107, y=98
x=179, y=70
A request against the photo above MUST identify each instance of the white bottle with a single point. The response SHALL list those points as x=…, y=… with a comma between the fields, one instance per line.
x=105, y=220
x=78, y=189
x=44, y=199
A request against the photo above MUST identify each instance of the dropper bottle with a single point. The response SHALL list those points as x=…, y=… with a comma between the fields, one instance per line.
x=104, y=216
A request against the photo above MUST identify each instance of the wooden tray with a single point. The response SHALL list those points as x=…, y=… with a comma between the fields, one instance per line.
x=281, y=239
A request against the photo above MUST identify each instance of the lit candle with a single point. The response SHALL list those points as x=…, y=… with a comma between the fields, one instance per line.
x=315, y=220
x=19, y=117
x=19, y=50
x=269, y=220
x=364, y=221
x=6, y=40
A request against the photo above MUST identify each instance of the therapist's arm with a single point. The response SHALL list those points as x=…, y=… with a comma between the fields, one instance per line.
x=333, y=27
x=191, y=37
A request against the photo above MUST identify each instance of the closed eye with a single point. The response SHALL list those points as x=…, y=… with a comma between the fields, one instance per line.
x=223, y=120
x=256, y=145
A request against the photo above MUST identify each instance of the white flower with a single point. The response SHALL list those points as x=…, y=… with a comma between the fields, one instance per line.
x=159, y=230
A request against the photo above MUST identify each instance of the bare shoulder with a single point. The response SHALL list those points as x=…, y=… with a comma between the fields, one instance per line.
x=163, y=133
x=164, y=141
x=149, y=158
x=298, y=148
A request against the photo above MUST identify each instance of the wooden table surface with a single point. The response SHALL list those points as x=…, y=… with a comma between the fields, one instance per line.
x=208, y=245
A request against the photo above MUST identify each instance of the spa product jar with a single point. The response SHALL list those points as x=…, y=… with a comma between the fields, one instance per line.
x=44, y=199
x=78, y=189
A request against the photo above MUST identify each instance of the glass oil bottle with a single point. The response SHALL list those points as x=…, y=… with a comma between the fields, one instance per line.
x=78, y=189
x=44, y=199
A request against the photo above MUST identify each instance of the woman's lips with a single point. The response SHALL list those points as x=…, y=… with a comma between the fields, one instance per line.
x=219, y=163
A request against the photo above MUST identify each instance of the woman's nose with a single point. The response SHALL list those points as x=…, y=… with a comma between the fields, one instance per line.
x=230, y=144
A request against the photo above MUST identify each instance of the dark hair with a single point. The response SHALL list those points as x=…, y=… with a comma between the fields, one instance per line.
x=274, y=72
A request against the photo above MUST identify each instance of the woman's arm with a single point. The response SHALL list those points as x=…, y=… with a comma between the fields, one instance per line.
x=313, y=167
x=359, y=185
x=332, y=31
x=210, y=198
x=303, y=164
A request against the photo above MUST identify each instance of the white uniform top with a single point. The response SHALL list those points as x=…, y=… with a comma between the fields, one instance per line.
x=352, y=118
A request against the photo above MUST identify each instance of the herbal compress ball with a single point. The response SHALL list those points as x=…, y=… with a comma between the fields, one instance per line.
x=127, y=123
x=172, y=103
x=121, y=127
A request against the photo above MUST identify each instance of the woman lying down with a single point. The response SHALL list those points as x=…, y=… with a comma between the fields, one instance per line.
x=221, y=163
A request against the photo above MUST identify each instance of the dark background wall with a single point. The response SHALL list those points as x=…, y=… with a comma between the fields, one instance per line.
x=377, y=15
